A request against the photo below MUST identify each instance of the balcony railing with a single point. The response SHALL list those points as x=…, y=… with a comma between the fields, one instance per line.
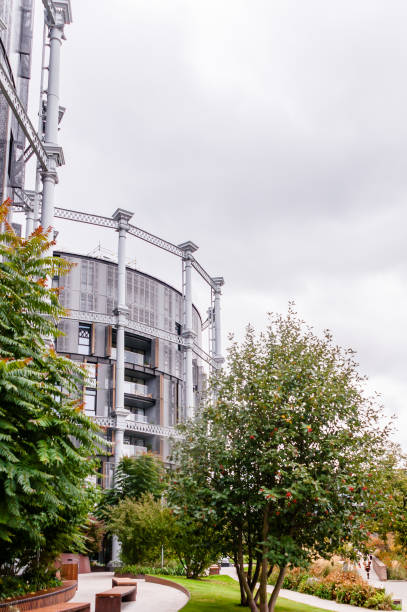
x=130, y=450
x=129, y=357
x=133, y=388
x=137, y=418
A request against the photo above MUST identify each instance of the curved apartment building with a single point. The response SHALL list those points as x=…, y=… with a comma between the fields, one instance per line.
x=154, y=367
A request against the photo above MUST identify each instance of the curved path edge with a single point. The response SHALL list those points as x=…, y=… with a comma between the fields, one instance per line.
x=169, y=583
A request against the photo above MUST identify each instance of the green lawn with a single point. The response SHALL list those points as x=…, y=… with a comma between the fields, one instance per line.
x=223, y=593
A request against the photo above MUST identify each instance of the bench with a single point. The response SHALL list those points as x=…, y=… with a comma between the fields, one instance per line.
x=118, y=581
x=111, y=600
x=76, y=606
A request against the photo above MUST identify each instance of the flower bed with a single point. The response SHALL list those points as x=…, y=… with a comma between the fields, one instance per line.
x=343, y=587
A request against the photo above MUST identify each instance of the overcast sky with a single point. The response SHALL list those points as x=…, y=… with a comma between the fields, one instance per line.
x=271, y=133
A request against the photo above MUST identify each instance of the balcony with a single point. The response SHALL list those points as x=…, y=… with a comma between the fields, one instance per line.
x=130, y=450
x=137, y=418
x=133, y=388
x=130, y=357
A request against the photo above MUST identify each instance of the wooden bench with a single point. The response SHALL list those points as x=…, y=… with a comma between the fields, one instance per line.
x=119, y=581
x=75, y=606
x=111, y=600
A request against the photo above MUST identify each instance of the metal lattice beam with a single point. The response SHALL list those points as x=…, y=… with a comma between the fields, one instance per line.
x=28, y=203
x=159, y=242
x=75, y=215
x=148, y=428
x=20, y=113
x=92, y=317
x=154, y=331
x=203, y=273
x=203, y=355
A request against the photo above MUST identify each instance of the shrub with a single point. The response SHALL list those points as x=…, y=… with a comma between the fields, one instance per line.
x=16, y=586
x=379, y=601
x=174, y=569
x=324, y=590
x=344, y=587
x=142, y=527
x=396, y=572
x=307, y=584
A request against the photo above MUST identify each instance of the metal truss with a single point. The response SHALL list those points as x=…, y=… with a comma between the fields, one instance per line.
x=19, y=111
x=99, y=317
x=76, y=215
x=159, y=242
x=25, y=199
x=92, y=317
x=203, y=355
x=154, y=331
x=203, y=273
x=81, y=217
x=154, y=430
x=148, y=428
x=104, y=421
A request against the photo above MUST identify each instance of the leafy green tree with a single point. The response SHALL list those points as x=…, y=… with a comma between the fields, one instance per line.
x=142, y=526
x=46, y=441
x=389, y=515
x=134, y=477
x=284, y=461
x=196, y=542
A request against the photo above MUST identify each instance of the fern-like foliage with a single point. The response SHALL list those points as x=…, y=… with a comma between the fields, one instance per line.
x=47, y=444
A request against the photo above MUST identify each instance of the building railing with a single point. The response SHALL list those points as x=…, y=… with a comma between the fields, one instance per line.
x=133, y=388
x=130, y=357
x=131, y=450
x=137, y=418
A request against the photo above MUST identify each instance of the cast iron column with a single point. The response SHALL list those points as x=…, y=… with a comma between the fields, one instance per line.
x=188, y=332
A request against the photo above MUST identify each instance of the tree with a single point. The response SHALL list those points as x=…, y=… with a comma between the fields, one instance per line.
x=284, y=461
x=47, y=444
x=142, y=526
x=195, y=538
x=134, y=477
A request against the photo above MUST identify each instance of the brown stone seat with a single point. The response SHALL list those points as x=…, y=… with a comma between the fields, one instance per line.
x=111, y=600
x=118, y=581
x=75, y=606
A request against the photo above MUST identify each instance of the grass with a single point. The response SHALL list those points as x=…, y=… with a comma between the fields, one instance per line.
x=223, y=593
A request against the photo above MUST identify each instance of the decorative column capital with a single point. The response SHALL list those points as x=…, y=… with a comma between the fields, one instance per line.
x=54, y=152
x=189, y=335
x=188, y=247
x=63, y=11
x=121, y=414
x=218, y=281
x=219, y=361
x=122, y=217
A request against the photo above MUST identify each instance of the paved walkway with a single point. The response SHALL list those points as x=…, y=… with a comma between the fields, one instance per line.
x=396, y=588
x=311, y=600
x=150, y=597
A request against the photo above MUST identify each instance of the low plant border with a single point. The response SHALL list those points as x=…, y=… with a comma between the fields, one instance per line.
x=40, y=599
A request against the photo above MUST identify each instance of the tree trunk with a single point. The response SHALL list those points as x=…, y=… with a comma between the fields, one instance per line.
x=241, y=575
x=276, y=590
x=243, y=596
x=264, y=562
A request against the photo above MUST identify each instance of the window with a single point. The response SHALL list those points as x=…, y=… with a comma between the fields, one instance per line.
x=178, y=331
x=10, y=155
x=90, y=402
x=84, y=335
